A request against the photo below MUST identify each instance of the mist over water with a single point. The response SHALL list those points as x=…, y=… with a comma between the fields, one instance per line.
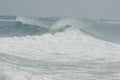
x=65, y=49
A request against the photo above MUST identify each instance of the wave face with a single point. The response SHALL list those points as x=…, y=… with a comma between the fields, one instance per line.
x=20, y=28
x=69, y=49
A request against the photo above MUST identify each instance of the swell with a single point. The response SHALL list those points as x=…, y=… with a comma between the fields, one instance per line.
x=21, y=29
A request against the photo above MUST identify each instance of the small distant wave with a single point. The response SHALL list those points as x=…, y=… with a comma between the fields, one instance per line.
x=30, y=21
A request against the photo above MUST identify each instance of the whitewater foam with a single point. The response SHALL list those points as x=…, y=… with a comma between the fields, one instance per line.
x=70, y=41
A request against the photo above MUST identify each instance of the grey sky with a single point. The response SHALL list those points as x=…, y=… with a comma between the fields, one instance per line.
x=74, y=8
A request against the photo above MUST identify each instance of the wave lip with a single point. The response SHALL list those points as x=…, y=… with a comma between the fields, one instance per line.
x=63, y=24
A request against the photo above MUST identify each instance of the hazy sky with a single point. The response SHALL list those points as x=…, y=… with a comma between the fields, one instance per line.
x=74, y=8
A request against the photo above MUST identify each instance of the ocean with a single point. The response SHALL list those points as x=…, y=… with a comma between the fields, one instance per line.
x=62, y=49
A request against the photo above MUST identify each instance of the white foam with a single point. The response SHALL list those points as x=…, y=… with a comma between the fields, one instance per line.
x=69, y=42
x=9, y=72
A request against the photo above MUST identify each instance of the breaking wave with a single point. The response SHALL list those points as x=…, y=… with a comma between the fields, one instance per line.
x=66, y=50
x=30, y=27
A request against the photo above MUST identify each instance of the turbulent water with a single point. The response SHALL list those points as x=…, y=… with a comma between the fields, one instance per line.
x=66, y=49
